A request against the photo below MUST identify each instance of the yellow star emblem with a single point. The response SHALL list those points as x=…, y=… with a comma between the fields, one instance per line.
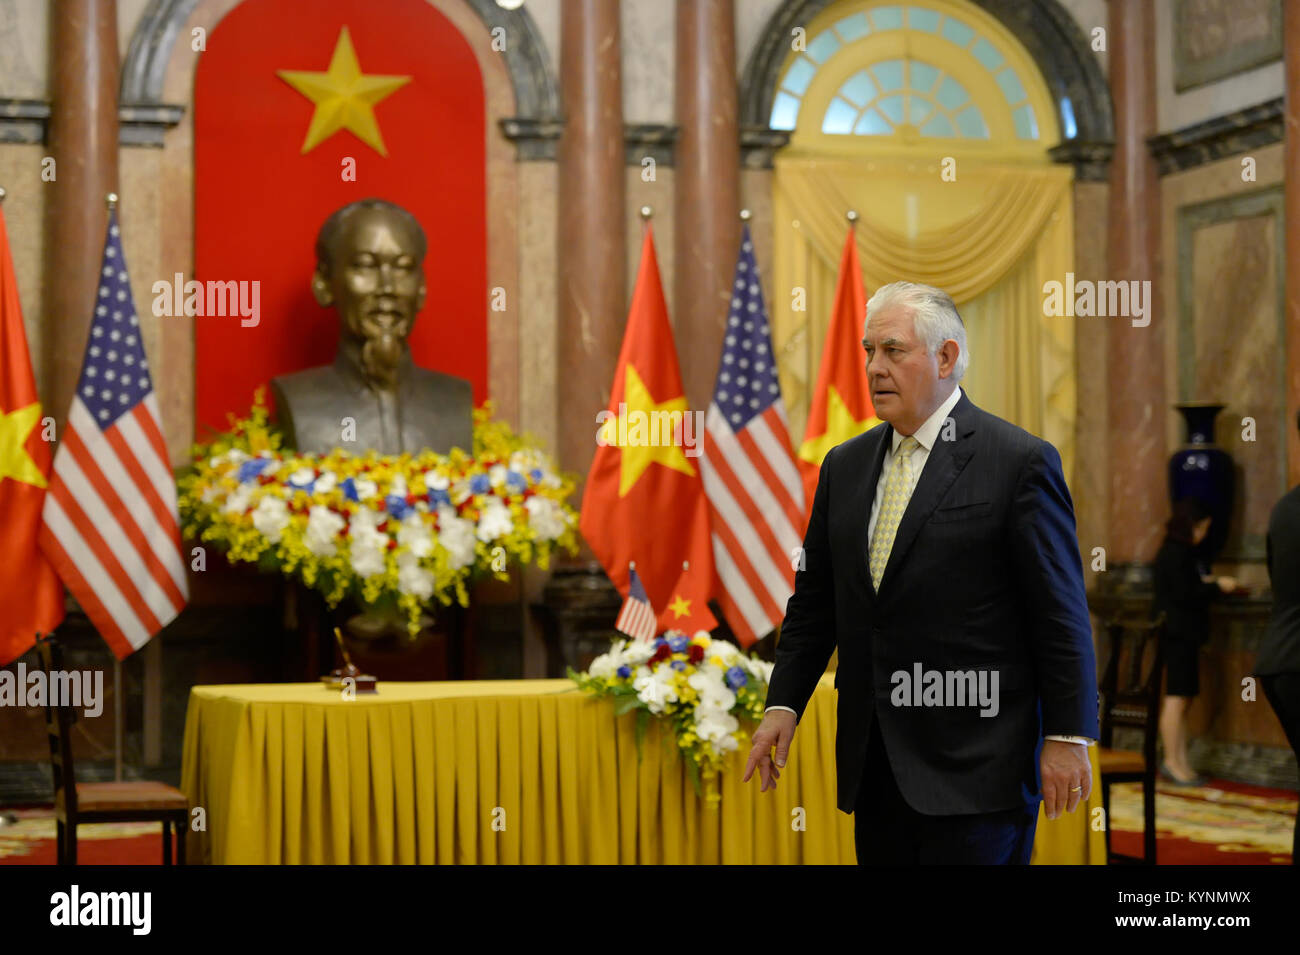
x=15, y=462
x=344, y=97
x=643, y=448
x=681, y=607
x=840, y=426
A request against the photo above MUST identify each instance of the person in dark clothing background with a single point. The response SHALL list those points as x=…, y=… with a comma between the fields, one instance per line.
x=1278, y=663
x=1184, y=595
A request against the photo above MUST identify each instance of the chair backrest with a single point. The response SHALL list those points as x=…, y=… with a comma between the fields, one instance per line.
x=59, y=718
x=1130, y=684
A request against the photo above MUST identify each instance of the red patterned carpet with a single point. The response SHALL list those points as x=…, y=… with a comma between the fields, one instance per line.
x=31, y=841
x=1222, y=823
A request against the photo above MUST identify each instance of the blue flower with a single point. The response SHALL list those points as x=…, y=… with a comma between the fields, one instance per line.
x=678, y=665
x=678, y=644
x=480, y=484
x=396, y=506
x=624, y=672
x=736, y=678
x=439, y=496
x=536, y=475
x=516, y=481
x=252, y=468
x=350, y=489
x=659, y=642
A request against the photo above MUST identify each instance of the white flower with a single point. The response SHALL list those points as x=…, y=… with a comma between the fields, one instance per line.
x=302, y=477
x=270, y=517
x=366, y=488
x=323, y=529
x=326, y=482
x=412, y=578
x=494, y=521
x=367, y=559
x=238, y=500
x=398, y=486
x=209, y=494
x=761, y=668
x=414, y=535
x=716, y=726
x=638, y=653
x=436, y=482
x=606, y=665
x=546, y=517
x=655, y=688
x=234, y=457
x=456, y=535
x=497, y=474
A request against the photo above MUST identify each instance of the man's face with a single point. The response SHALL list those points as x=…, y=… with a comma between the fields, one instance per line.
x=902, y=375
x=375, y=278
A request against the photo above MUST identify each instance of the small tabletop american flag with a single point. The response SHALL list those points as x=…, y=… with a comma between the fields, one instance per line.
x=110, y=523
x=637, y=618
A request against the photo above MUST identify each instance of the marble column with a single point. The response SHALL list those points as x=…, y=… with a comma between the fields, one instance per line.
x=82, y=140
x=1291, y=179
x=592, y=290
x=1135, y=358
x=707, y=188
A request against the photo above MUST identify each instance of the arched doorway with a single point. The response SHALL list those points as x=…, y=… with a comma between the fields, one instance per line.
x=933, y=121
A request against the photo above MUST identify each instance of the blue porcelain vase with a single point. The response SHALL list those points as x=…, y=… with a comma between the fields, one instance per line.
x=1202, y=469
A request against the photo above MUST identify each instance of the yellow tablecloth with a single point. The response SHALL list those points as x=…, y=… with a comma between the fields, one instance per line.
x=519, y=771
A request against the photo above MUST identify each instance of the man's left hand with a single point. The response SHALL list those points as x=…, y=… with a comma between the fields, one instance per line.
x=1067, y=776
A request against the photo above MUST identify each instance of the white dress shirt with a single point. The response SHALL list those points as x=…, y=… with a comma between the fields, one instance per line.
x=926, y=436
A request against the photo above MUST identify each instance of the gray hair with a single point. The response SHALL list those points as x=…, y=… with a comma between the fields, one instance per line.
x=934, y=317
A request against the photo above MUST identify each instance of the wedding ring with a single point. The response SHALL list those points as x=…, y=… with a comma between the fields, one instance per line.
x=1077, y=789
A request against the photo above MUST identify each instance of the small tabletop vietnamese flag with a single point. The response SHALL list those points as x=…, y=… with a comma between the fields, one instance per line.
x=30, y=593
x=644, y=500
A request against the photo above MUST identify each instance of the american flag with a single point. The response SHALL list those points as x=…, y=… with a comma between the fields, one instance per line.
x=755, y=493
x=109, y=523
x=637, y=618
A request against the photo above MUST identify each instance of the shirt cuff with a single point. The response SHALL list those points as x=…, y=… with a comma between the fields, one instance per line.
x=786, y=708
x=1081, y=740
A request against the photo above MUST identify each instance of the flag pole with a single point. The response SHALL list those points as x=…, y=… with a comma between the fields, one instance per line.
x=646, y=214
x=111, y=201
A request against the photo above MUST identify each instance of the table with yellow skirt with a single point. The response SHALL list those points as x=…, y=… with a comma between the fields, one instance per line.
x=518, y=771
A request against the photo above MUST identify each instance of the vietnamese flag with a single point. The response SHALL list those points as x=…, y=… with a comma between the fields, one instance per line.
x=841, y=401
x=30, y=593
x=644, y=500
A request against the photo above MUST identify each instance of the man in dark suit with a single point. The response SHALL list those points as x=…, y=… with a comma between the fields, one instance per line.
x=1278, y=662
x=941, y=559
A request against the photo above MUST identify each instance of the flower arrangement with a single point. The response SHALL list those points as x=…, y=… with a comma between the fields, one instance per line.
x=702, y=686
x=404, y=530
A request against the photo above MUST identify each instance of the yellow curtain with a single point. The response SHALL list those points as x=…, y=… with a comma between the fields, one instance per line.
x=990, y=234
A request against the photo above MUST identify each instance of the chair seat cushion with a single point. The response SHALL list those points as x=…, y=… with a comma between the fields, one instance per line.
x=1120, y=761
x=133, y=795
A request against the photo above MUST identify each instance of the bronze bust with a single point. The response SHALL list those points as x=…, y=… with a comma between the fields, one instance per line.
x=374, y=397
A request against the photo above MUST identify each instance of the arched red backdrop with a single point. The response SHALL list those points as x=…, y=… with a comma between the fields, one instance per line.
x=259, y=200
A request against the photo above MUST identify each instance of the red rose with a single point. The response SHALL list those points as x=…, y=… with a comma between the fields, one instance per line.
x=695, y=654
x=663, y=653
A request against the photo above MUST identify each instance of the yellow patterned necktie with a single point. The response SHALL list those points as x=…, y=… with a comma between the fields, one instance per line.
x=898, y=491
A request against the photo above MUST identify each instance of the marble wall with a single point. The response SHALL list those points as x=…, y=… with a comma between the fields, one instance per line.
x=1221, y=288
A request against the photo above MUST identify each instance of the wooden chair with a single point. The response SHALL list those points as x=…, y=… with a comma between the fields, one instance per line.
x=1134, y=701
x=76, y=803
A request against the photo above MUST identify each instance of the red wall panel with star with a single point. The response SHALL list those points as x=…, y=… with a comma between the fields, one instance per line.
x=260, y=200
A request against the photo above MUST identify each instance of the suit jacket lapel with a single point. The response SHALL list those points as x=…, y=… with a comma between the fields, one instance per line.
x=946, y=460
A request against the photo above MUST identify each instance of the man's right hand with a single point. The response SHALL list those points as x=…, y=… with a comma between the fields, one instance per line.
x=777, y=729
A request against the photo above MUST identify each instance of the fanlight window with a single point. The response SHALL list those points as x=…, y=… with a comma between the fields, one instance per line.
x=885, y=96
